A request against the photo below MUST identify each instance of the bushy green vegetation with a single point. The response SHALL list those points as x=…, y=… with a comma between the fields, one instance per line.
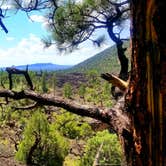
x=72, y=126
x=44, y=82
x=110, y=151
x=47, y=137
x=67, y=90
x=41, y=144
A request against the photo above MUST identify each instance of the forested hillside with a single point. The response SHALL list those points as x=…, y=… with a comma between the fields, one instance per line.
x=105, y=61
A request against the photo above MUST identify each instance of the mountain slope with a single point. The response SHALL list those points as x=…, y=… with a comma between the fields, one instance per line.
x=105, y=61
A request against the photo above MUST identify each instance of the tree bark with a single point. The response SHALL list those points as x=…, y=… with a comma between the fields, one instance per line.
x=145, y=100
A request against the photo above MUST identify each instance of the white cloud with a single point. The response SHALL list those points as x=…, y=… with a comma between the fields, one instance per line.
x=10, y=38
x=30, y=50
x=9, y=4
x=37, y=18
x=40, y=19
x=78, y=1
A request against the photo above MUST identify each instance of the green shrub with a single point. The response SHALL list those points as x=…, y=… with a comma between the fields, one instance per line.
x=67, y=90
x=71, y=126
x=41, y=144
x=111, y=150
x=44, y=83
x=82, y=91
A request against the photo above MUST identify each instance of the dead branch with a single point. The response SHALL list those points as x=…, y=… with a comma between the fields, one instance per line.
x=6, y=156
x=6, y=102
x=28, y=107
x=2, y=84
x=3, y=103
x=1, y=23
x=29, y=160
x=115, y=117
x=12, y=70
x=115, y=81
x=96, y=161
x=15, y=142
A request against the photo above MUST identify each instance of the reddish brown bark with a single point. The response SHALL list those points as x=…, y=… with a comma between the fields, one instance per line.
x=146, y=95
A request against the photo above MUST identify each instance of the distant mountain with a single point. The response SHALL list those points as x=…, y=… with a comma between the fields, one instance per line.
x=105, y=61
x=43, y=67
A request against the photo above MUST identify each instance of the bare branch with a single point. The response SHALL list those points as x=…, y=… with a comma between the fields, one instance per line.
x=96, y=161
x=28, y=107
x=6, y=156
x=120, y=4
x=15, y=142
x=115, y=117
x=127, y=39
x=12, y=70
x=121, y=84
x=1, y=23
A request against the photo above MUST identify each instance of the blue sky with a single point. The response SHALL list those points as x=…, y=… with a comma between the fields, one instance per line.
x=22, y=45
x=19, y=27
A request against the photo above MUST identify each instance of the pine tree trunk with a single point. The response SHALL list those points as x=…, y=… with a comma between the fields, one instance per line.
x=146, y=97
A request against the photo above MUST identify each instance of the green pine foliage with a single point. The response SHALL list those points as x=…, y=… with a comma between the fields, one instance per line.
x=72, y=126
x=54, y=82
x=111, y=150
x=82, y=91
x=95, y=91
x=67, y=90
x=44, y=82
x=51, y=148
x=69, y=161
x=76, y=22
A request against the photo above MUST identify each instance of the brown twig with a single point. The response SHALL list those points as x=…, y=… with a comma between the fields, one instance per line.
x=28, y=107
